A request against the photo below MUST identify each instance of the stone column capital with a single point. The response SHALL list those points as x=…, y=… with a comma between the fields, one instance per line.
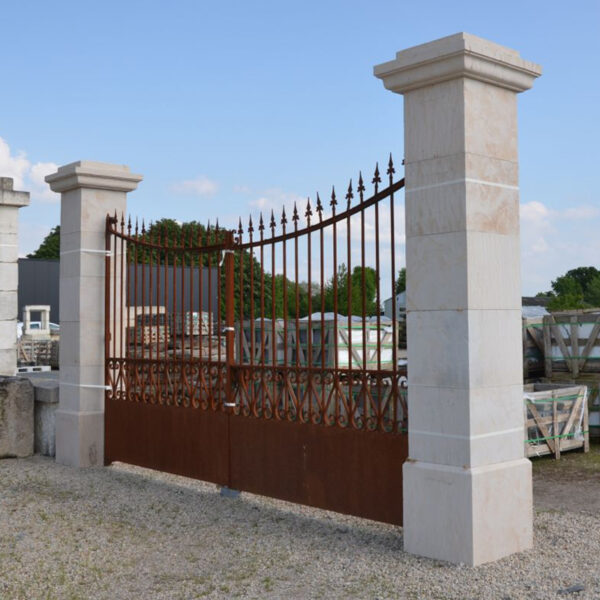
x=93, y=175
x=9, y=197
x=461, y=55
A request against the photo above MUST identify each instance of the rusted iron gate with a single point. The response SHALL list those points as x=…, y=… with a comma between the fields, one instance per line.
x=284, y=387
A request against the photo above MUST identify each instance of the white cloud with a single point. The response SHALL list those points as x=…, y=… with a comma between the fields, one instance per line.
x=276, y=199
x=536, y=226
x=581, y=212
x=27, y=177
x=201, y=186
x=16, y=167
x=39, y=188
x=262, y=203
x=556, y=240
x=534, y=212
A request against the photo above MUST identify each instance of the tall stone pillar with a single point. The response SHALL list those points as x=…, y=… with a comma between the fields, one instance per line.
x=10, y=202
x=467, y=485
x=89, y=191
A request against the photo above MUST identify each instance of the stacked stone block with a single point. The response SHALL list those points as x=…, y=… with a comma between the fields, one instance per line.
x=467, y=486
x=10, y=202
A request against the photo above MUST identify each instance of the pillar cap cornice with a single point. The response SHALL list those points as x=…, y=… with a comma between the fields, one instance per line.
x=459, y=55
x=93, y=175
x=10, y=197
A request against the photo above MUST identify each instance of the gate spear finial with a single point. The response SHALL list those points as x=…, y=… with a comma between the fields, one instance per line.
x=349, y=194
x=390, y=169
x=319, y=207
x=376, y=178
x=308, y=213
x=361, y=187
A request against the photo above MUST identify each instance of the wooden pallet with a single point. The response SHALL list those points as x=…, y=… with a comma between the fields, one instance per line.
x=572, y=343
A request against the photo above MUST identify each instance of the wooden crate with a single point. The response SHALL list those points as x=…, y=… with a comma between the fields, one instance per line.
x=533, y=347
x=265, y=344
x=31, y=351
x=349, y=345
x=592, y=382
x=192, y=320
x=556, y=418
x=147, y=326
x=321, y=351
x=572, y=343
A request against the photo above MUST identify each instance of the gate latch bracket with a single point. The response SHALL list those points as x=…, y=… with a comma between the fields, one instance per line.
x=223, y=253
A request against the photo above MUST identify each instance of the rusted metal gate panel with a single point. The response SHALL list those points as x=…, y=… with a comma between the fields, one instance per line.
x=166, y=362
x=352, y=472
x=284, y=379
x=166, y=438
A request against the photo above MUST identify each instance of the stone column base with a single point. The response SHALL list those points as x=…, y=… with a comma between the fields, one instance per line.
x=79, y=438
x=469, y=516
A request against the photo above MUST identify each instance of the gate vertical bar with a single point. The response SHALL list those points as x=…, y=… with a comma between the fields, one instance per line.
x=107, y=295
x=229, y=318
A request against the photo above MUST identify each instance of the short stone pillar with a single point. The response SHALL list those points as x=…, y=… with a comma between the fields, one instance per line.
x=10, y=202
x=45, y=396
x=44, y=329
x=89, y=191
x=16, y=417
x=467, y=485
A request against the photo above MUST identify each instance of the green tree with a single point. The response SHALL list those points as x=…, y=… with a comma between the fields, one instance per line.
x=360, y=281
x=400, y=285
x=192, y=236
x=593, y=292
x=583, y=276
x=50, y=246
x=576, y=289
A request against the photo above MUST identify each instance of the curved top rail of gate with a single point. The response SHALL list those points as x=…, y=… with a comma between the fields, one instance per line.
x=279, y=320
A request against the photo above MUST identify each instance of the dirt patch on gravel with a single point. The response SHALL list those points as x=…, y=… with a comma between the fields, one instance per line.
x=569, y=484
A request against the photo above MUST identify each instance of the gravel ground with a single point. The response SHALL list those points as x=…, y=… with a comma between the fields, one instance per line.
x=126, y=532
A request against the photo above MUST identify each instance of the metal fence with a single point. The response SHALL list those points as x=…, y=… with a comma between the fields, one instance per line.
x=289, y=325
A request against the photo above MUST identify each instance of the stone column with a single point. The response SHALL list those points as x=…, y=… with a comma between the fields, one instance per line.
x=89, y=191
x=10, y=202
x=467, y=485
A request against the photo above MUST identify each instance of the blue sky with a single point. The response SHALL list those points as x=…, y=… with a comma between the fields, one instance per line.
x=226, y=107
